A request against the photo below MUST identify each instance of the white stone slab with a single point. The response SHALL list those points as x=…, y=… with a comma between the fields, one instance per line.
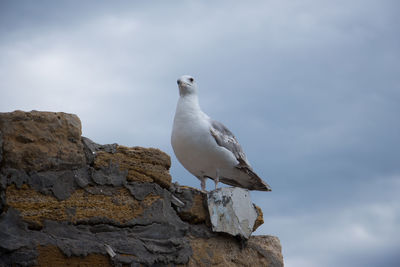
x=231, y=211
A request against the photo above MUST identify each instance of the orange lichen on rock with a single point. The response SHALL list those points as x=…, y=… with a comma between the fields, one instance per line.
x=34, y=207
x=142, y=164
x=50, y=256
x=260, y=219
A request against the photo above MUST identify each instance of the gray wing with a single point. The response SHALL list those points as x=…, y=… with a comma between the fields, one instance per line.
x=226, y=139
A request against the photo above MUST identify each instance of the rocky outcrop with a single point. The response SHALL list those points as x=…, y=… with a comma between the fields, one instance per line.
x=67, y=201
x=41, y=141
x=141, y=165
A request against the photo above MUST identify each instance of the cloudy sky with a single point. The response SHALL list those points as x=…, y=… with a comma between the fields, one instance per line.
x=310, y=88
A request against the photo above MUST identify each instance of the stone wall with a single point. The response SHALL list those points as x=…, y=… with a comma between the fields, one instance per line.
x=67, y=201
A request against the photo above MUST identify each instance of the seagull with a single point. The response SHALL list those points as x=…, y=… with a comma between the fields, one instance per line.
x=205, y=147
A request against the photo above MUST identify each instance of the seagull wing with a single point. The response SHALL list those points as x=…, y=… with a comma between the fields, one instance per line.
x=226, y=139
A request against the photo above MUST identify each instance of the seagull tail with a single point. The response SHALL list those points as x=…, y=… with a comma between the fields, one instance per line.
x=256, y=183
x=259, y=184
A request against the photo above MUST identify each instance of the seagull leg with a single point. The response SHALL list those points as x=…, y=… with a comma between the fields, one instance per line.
x=203, y=183
x=216, y=180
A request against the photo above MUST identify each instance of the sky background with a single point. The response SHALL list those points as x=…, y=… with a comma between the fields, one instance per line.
x=310, y=88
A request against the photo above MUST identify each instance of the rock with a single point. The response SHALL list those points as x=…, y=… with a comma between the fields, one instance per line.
x=103, y=205
x=231, y=211
x=60, y=184
x=2, y=195
x=260, y=218
x=140, y=244
x=112, y=205
x=50, y=256
x=216, y=251
x=37, y=141
x=1, y=147
x=91, y=148
x=142, y=164
x=194, y=204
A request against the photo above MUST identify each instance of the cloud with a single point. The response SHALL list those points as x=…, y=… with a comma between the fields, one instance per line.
x=309, y=88
x=360, y=232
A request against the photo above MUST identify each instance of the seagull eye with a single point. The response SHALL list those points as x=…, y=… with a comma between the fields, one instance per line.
x=191, y=80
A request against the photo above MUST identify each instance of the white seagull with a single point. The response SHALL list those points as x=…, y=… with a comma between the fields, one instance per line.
x=205, y=147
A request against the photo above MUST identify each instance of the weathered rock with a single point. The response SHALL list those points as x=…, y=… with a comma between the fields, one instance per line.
x=260, y=218
x=2, y=183
x=142, y=164
x=50, y=256
x=91, y=148
x=217, y=251
x=139, y=244
x=231, y=211
x=1, y=147
x=194, y=204
x=59, y=210
x=113, y=205
x=60, y=184
x=37, y=141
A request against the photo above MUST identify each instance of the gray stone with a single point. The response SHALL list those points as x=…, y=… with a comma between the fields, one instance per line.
x=141, y=190
x=231, y=211
x=91, y=148
x=148, y=244
x=110, y=175
x=1, y=147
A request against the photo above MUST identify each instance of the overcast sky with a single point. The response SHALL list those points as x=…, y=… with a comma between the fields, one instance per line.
x=310, y=88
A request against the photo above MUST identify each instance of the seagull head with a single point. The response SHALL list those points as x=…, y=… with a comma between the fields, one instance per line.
x=187, y=85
